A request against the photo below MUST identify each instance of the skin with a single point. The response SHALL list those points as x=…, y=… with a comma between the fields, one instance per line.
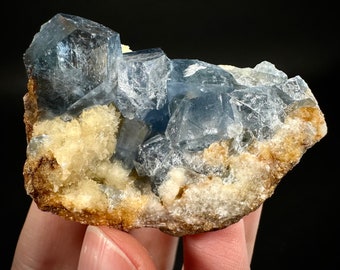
x=48, y=241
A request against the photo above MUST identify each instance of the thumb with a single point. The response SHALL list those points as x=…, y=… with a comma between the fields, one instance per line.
x=105, y=248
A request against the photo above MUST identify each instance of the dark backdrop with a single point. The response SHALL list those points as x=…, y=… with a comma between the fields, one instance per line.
x=298, y=222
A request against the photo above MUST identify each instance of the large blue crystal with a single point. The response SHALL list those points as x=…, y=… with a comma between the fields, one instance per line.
x=198, y=94
x=71, y=59
x=171, y=109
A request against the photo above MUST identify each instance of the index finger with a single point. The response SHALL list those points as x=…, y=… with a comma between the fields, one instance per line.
x=48, y=241
x=229, y=248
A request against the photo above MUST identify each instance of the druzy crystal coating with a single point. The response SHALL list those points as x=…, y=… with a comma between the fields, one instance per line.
x=171, y=109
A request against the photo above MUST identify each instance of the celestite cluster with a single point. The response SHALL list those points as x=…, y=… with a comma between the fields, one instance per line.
x=172, y=108
x=132, y=139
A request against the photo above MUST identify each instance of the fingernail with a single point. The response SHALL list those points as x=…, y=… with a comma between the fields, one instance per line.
x=101, y=252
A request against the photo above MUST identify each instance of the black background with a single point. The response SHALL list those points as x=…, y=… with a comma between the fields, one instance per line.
x=298, y=224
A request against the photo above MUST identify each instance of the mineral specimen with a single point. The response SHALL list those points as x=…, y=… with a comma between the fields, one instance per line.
x=134, y=139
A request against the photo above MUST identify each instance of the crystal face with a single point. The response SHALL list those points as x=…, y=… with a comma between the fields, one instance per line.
x=171, y=109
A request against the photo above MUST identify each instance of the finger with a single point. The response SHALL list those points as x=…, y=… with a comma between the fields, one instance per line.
x=105, y=248
x=162, y=247
x=222, y=249
x=251, y=224
x=47, y=241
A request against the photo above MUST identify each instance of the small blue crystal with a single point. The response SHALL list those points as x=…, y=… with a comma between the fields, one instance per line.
x=142, y=82
x=132, y=134
x=259, y=109
x=155, y=158
x=191, y=77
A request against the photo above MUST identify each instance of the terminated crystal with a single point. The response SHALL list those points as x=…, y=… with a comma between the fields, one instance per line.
x=142, y=81
x=190, y=77
x=73, y=59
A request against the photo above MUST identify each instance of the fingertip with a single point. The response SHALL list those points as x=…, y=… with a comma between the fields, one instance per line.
x=222, y=249
x=48, y=241
x=161, y=246
x=106, y=248
x=251, y=225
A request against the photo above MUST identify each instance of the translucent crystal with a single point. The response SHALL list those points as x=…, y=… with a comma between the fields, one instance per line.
x=259, y=109
x=155, y=158
x=71, y=57
x=264, y=73
x=297, y=89
x=142, y=82
x=132, y=134
x=200, y=120
x=190, y=77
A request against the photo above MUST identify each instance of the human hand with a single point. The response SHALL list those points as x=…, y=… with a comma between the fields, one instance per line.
x=48, y=241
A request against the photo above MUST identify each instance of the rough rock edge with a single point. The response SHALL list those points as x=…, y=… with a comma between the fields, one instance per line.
x=181, y=208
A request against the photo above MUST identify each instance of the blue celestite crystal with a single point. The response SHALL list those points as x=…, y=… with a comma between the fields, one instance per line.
x=131, y=135
x=72, y=59
x=200, y=120
x=198, y=94
x=156, y=157
x=142, y=82
x=192, y=77
x=171, y=109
